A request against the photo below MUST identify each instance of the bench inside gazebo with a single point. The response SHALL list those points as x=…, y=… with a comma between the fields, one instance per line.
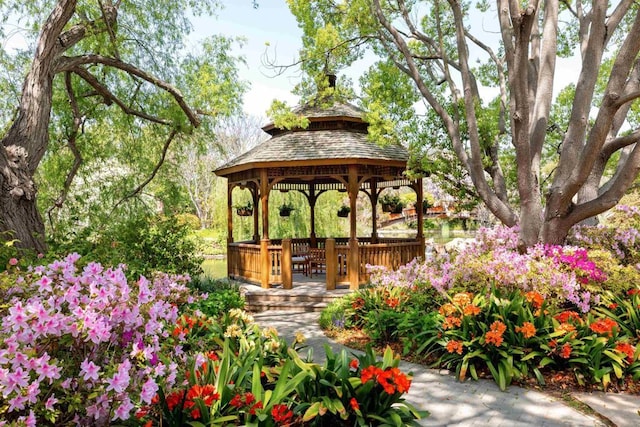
x=331, y=154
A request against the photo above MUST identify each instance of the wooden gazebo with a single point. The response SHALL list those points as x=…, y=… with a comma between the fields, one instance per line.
x=332, y=153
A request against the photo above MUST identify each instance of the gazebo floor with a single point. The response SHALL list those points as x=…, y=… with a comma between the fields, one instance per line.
x=308, y=294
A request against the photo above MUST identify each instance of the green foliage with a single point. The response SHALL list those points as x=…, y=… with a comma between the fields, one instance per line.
x=222, y=296
x=145, y=244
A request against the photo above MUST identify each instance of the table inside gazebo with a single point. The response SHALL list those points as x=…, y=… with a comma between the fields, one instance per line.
x=246, y=260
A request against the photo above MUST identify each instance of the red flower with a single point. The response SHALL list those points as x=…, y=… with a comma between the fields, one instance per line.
x=565, y=352
x=354, y=404
x=613, y=306
x=604, y=326
x=249, y=398
x=258, y=405
x=633, y=291
x=174, y=398
x=353, y=364
x=211, y=355
x=565, y=316
x=628, y=349
x=236, y=402
x=281, y=414
x=195, y=414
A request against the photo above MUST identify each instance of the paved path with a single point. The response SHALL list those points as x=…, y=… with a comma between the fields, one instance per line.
x=472, y=403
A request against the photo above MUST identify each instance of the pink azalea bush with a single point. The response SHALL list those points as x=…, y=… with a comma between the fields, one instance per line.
x=85, y=347
x=560, y=273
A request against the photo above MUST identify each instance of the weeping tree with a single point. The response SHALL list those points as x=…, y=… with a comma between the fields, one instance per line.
x=95, y=78
x=486, y=72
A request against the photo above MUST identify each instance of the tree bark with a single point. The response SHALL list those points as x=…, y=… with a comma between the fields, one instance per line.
x=26, y=141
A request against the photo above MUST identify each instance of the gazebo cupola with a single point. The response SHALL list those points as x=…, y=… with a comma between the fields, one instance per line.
x=331, y=154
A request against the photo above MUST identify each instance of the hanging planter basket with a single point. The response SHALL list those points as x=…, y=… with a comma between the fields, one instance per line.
x=343, y=212
x=285, y=210
x=244, y=211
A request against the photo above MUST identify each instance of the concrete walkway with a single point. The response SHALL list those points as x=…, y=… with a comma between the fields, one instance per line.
x=472, y=403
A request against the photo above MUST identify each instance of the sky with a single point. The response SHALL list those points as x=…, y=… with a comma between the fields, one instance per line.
x=272, y=29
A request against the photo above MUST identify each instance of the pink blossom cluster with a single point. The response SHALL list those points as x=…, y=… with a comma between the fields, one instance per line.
x=493, y=260
x=89, y=336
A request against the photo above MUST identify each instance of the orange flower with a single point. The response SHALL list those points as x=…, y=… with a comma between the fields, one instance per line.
x=494, y=336
x=448, y=309
x=471, y=310
x=604, y=326
x=357, y=303
x=565, y=316
x=392, y=302
x=534, y=298
x=628, y=349
x=527, y=329
x=455, y=346
x=613, y=306
x=462, y=299
x=566, y=328
x=565, y=352
x=451, y=322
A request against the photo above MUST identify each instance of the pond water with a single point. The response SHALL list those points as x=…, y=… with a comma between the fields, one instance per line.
x=215, y=268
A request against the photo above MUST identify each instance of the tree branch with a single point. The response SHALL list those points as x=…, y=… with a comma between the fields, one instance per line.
x=71, y=63
x=155, y=170
x=110, y=97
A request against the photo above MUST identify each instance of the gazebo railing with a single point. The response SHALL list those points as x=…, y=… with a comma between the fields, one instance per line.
x=272, y=264
x=244, y=261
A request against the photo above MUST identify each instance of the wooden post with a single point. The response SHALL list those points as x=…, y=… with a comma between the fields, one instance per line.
x=229, y=224
x=265, y=264
x=312, y=206
x=373, y=197
x=229, y=213
x=420, y=212
x=332, y=263
x=354, y=258
x=255, y=200
x=287, y=280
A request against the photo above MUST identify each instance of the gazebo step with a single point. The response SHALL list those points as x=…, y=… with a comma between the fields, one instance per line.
x=292, y=306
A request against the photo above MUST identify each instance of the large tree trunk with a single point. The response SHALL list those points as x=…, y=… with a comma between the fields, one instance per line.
x=22, y=148
x=19, y=216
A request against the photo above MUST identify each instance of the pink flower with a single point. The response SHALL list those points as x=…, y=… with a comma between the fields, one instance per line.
x=50, y=402
x=17, y=403
x=120, y=380
x=89, y=370
x=123, y=410
x=13, y=261
x=149, y=390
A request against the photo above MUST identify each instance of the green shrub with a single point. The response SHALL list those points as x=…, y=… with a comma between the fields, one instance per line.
x=145, y=244
x=223, y=295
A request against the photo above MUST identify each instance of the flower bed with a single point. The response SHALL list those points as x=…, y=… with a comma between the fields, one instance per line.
x=87, y=347
x=515, y=317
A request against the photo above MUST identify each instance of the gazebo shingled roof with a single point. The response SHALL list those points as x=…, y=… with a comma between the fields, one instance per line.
x=323, y=144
